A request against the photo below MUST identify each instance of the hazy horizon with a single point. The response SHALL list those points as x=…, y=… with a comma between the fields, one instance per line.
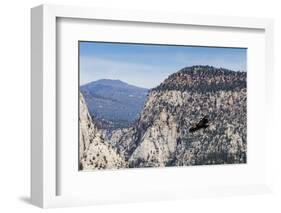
x=146, y=66
x=107, y=79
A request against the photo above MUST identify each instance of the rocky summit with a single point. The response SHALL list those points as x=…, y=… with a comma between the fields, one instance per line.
x=161, y=137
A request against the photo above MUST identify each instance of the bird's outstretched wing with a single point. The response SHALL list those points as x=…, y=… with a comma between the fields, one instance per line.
x=193, y=129
x=203, y=123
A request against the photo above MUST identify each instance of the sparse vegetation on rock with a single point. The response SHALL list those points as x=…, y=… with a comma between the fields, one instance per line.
x=161, y=137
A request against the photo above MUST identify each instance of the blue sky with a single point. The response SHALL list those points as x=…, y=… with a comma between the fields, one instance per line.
x=148, y=65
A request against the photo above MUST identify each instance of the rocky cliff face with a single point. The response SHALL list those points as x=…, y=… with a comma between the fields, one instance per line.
x=161, y=137
x=95, y=152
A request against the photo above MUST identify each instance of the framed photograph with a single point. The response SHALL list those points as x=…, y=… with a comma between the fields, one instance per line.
x=129, y=106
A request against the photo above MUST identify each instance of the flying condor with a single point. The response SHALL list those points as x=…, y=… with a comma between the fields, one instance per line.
x=202, y=124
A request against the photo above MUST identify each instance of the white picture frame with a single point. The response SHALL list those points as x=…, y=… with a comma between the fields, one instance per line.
x=44, y=83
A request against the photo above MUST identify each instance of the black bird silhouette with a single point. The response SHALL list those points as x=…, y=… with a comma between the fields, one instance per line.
x=203, y=123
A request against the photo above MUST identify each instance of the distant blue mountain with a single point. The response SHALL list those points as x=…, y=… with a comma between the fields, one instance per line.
x=113, y=103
